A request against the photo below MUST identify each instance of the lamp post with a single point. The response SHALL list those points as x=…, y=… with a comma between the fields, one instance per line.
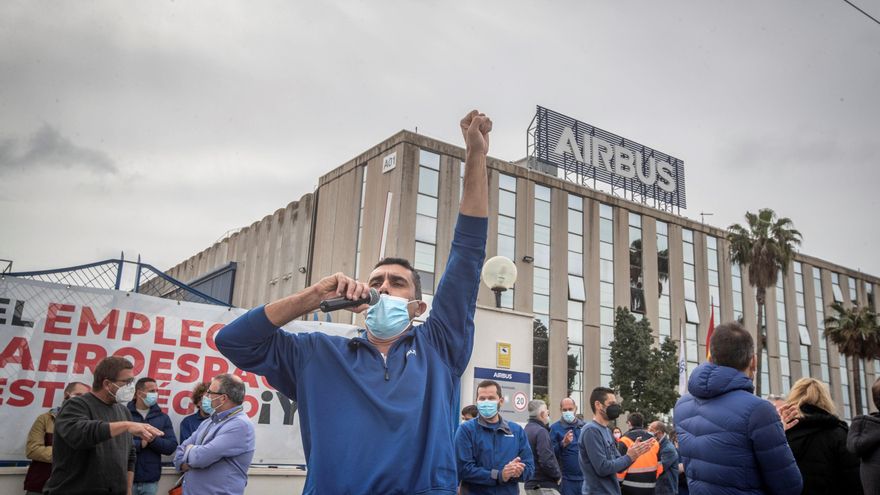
x=499, y=274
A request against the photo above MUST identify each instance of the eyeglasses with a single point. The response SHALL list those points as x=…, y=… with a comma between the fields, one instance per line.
x=209, y=392
x=124, y=382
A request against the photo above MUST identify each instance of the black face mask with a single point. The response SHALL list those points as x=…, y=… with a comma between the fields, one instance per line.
x=612, y=412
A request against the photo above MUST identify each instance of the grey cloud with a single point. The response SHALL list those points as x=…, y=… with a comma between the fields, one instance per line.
x=47, y=148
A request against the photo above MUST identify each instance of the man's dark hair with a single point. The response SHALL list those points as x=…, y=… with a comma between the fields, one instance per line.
x=490, y=383
x=470, y=410
x=417, y=280
x=72, y=385
x=142, y=382
x=108, y=369
x=875, y=391
x=199, y=392
x=599, y=394
x=732, y=346
x=234, y=389
x=636, y=420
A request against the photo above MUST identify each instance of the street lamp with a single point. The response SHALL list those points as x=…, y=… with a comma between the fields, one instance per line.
x=499, y=274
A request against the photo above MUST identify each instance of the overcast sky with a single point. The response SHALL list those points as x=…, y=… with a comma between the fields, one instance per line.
x=155, y=127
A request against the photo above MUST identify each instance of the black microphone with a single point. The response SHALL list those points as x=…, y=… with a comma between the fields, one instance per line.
x=338, y=303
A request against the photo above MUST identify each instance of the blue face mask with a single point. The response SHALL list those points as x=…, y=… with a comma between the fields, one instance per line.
x=487, y=408
x=150, y=398
x=568, y=416
x=389, y=317
x=207, y=408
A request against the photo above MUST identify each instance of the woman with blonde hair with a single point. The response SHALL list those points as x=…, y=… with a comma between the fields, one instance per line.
x=818, y=442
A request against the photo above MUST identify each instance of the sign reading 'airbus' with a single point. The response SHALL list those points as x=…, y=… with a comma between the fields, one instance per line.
x=585, y=152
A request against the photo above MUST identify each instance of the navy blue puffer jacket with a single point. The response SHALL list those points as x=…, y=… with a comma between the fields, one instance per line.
x=731, y=442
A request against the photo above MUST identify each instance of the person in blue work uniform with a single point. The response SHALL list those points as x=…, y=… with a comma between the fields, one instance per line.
x=493, y=455
x=564, y=436
x=390, y=396
x=144, y=409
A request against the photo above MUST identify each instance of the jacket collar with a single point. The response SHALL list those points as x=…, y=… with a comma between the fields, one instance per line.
x=501, y=425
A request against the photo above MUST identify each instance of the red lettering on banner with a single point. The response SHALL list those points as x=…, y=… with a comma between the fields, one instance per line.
x=186, y=364
x=54, y=317
x=142, y=327
x=87, y=319
x=209, y=335
x=160, y=362
x=164, y=393
x=254, y=406
x=21, y=389
x=249, y=378
x=49, y=389
x=177, y=403
x=17, y=351
x=51, y=353
x=87, y=357
x=187, y=331
x=136, y=356
x=2, y=385
x=160, y=333
x=214, y=366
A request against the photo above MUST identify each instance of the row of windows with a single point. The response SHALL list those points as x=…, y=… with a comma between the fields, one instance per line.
x=425, y=260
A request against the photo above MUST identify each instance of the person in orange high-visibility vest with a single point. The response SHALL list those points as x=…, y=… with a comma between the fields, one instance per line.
x=641, y=477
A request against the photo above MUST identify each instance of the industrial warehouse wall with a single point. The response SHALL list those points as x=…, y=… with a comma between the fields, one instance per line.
x=272, y=256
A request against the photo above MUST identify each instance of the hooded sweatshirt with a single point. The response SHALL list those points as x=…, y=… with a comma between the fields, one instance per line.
x=732, y=442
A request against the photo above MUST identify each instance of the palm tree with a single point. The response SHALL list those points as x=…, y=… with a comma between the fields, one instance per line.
x=855, y=333
x=766, y=246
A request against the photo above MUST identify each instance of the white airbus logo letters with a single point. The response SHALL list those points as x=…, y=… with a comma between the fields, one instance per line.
x=617, y=160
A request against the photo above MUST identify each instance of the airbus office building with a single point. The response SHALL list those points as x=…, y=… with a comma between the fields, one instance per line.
x=580, y=253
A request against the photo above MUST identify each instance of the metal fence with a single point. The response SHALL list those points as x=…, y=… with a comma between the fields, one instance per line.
x=120, y=274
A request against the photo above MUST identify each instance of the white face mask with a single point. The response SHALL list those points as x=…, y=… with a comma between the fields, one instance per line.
x=124, y=394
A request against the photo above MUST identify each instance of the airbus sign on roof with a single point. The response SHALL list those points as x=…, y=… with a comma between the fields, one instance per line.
x=584, y=153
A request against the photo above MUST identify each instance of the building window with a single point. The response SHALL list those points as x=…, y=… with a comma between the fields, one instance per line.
x=820, y=325
x=803, y=331
x=692, y=315
x=507, y=227
x=665, y=329
x=853, y=295
x=737, y=283
x=541, y=288
x=426, y=219
x=837, y=293
x=636, y=273
x=576, y=298
x=606, y=291
x=782, y=329
x=714, y=284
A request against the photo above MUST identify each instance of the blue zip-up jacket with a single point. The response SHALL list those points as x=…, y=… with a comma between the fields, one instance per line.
x=148, y=467
x=190, y=424
x=371, y=425
x=568, y=456
x=483, y=449
x=667, y=483
x=731, y=442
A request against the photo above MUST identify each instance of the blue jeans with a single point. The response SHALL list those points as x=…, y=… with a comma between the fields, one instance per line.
x=145, y=488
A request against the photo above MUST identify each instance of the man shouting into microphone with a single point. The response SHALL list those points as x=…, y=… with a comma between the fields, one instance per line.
x=377, y=413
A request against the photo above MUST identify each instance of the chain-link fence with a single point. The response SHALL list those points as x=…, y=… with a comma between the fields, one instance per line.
x=120, y=274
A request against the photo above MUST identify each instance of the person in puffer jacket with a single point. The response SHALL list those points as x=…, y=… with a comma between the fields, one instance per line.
x=732, y=443
x=864, y=441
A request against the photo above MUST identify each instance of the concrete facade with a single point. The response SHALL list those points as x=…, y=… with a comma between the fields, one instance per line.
x=320, y=234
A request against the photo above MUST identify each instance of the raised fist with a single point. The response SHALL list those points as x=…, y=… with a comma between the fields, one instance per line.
x=475, y=127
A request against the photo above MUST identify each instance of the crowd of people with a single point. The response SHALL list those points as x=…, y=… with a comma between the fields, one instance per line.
x=377, y=410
